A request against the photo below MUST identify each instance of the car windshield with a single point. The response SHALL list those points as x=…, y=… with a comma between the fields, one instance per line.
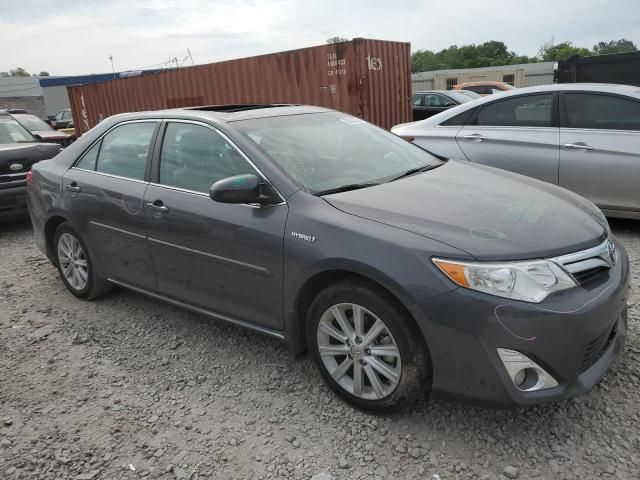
x=12, y=132
x=328, y=151
x=461, y=97
x=33, y=123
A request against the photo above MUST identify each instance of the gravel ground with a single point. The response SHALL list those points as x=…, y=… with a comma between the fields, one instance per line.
x=127, y=387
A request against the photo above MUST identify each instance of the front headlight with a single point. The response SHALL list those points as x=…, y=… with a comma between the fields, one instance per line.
x=531, y=281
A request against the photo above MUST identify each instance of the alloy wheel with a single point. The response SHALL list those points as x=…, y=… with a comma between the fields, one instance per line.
x=359, y=351
x=73, y=262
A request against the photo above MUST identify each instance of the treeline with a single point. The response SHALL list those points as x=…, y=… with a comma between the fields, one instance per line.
x=496, y=53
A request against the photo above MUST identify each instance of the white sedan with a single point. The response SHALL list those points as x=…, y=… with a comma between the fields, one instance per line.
x=584, y=137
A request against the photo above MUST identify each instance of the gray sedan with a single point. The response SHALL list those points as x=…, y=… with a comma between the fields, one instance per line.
x=584, y=137
x=399, y=272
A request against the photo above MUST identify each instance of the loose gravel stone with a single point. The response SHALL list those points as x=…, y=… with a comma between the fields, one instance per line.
x=178, y=396
x=510, y=472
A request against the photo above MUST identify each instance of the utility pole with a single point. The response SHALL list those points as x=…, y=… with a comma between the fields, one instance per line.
x=189, y=52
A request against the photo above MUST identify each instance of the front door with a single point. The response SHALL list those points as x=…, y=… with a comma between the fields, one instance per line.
x=519, y=134
x=225, y=258
x=600, y=149
x=104, y=192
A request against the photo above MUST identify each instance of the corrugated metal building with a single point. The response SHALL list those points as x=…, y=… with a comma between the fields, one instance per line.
x=22, y=92
x=366, y=78
x=521, y=75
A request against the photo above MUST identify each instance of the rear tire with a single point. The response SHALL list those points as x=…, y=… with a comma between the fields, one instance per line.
x=381, y=362
x=73, y=260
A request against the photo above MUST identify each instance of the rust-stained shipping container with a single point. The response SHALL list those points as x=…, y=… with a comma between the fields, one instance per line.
x=370, y=79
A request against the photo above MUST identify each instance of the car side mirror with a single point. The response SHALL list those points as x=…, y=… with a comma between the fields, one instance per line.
x=247, y=188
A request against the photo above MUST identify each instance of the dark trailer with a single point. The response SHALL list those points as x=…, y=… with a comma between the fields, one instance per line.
x=620, y=68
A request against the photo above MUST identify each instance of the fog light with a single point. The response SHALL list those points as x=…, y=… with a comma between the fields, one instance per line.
x=525, y=374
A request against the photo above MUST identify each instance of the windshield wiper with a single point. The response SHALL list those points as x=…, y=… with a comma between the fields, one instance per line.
x=413, y=171
x=345, y=188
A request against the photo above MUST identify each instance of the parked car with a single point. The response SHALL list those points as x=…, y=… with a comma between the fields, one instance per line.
x=401, y=273
x=70, y=130
x=19, y=151
x=429, y=102
x=584, y=137
x=42, y=130
x=485, y=87
x=61, y=119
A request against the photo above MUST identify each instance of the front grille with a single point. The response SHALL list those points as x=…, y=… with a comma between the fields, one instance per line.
x=13, y=180
x=590, y=274
x=591, y=264
x=596, y=348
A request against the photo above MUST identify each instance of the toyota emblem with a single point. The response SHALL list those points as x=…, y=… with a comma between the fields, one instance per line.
x=15, y=167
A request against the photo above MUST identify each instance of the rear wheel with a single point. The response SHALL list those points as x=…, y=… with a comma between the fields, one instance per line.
x=366, y=348
x=74, y=264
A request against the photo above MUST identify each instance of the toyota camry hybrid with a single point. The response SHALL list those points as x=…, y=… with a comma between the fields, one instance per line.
x=401, y=273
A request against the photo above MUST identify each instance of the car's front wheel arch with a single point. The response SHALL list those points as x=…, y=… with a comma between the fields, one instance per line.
x=412, y=374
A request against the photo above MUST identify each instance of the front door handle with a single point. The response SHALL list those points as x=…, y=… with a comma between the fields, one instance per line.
x=474, y=137
x=157, y=206
x=74, y=188
x=578, y=146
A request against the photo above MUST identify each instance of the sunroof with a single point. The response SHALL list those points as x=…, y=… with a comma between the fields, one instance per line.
x=236, y=108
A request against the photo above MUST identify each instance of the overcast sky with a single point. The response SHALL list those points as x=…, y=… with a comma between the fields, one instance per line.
x=67, y=37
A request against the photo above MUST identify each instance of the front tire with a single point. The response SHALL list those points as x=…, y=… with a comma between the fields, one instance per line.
x=74, y=264
x=366, y=348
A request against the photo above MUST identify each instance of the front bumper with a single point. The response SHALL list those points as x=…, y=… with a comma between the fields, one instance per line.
x=575, y=335
x=13, y=202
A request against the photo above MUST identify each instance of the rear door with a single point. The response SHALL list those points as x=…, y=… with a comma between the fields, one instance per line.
x=519, y=134
x=225, y=258
x=600, y=148
x=104, y=192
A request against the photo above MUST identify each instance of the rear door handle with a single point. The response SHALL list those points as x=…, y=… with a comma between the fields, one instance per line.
x=474, y=137
x=73, y=187
x=157, y=206
x=578, y=146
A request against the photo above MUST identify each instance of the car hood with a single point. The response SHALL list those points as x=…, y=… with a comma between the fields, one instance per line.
x=50, y=134
x=489, y=213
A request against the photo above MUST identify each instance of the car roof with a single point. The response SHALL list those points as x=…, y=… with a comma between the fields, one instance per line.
x=227, y=113
x=483, y=82
x=444, y=92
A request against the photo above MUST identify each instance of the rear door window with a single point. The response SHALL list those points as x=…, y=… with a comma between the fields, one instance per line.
x=524, y=111
x=604, y=112
x=194, y=157
x=88, y=160
x=125, y=149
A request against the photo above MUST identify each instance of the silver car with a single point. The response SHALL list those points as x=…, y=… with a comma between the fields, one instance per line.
x=584, y=137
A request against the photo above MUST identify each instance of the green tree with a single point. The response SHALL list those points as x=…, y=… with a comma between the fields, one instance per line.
x=486, y=54
x=550, y=52
x=44, y=73
x=18, y=72
x=614, y=46
x=337, y=40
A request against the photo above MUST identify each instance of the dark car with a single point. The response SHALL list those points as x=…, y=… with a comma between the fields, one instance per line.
x=19, y=151
x=42, y=130
x=61, y=119
x=400, y=273
x=430, y=102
